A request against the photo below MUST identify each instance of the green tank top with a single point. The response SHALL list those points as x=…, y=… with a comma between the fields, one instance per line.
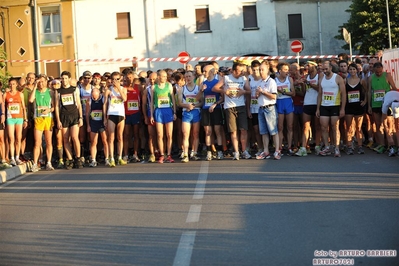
x=43, y=101
x=379, y=86
x=162, y=97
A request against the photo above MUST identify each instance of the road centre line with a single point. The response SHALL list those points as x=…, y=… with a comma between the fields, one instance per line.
x=194, y=214
x=185, y=249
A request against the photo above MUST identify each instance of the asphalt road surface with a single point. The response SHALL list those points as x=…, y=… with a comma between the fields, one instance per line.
x=296, y=211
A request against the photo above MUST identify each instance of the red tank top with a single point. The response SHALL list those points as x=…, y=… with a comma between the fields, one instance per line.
x=132, y=104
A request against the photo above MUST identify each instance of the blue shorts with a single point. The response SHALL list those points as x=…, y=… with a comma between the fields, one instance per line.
x=133, y=119
x=193, y=116
x=285, y=106
x=298, y=109
x=96, y=126
x=163, y=115
x=268, y=121
x=14, y=121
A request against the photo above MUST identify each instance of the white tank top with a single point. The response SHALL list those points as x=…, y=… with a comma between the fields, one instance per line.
x=331, y=94
x=232, y=83
x=285, y=86
x=311, y=94
x=254, y=84
x=189, y=96
x=115, y=106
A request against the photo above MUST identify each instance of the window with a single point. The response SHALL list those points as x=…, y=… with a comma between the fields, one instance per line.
x=250, y=18
x=53, y=69
x=295, y=26
x=170, y=13
x=202, y=19
x=50, y=32
x=123, y=24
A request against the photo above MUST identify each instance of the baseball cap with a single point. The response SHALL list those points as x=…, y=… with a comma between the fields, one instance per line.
x=87, y=73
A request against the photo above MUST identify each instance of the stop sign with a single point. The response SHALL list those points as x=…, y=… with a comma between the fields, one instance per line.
x=185, y=57
x=296, y=46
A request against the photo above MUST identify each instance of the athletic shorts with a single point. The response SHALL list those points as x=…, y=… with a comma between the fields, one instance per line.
x=310, y=109
x=133, y=119
x=193, y=116
x=329, y=110
x=285, y=106
x=356, y=109
x=236, y=118
x=14, y=121
x=255, y=119
x=298, y=109
x=212, y=119
x=44, y=123
x=377, y=110
x=116, y=119
x=163, y=115
x=268, y=120
x=395, y=109
x=68, y=120
x=96, y=126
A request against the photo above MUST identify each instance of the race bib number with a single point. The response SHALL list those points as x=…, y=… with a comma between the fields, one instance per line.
x=132, y=105
x=379, y=95
x=190, y=99
x=284, y=88
x=210, y=100
x=67, y=99
x=96, y=115
x=163, y=102
x=353, y=97
x=116, y=101
x=14, y=108
x=41, y=110
x=84, y=100
x=254, y=101
x=328, y=98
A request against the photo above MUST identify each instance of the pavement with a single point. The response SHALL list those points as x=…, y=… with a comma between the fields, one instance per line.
x=11, y=173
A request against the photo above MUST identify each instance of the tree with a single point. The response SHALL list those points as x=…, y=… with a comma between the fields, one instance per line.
x=369, y=27
x=4, y=75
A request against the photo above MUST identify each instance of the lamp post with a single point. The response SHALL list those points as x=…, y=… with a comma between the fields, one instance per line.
x=389, y=27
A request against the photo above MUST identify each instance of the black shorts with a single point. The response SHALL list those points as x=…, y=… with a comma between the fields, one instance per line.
x=354, y=109
x=69, y=120
x=255, y=120
x=377, y=110
x=212, y=119
x=310, y=109
x=116, y=119
x=329, y=110
x=96, y=126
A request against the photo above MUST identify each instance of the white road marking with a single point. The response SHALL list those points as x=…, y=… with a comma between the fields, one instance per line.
x=185, y=249
x=194, y=214
x=203, y=175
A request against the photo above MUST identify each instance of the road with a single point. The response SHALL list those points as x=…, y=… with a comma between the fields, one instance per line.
x=247, y=212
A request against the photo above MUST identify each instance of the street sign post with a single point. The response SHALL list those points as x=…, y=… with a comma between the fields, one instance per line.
x=296, y=47
x=185, y=57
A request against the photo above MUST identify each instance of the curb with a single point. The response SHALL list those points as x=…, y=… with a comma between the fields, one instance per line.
x=11, y=173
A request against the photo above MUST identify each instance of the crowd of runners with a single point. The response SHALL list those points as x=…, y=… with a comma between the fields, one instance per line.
x=257, y=110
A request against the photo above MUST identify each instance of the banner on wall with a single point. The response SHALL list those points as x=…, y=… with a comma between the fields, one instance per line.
x=390, y=60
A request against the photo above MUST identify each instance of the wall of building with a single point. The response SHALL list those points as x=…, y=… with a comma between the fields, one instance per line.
x=332, y=15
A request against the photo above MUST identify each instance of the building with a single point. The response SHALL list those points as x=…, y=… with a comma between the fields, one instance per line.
x=117, y=31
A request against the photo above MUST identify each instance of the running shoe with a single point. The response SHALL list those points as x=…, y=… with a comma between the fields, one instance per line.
x=121, y=161
x=34, y=168
x=220, y=155
x=107, y=163
x=60, y=164
x=49, y=167
x=381, y=150
x=377, y=148
x=262, y=156
x=277, y=155
x=370, y=144
x=258, y=153
x=392, y=151
x=209, y=156
x=68, y=164
x=12, y=162
x=169, y=159
x=349, y=151
x=317, y=150
x=326, y=151
x=112, y=163
x=301, y=152
x=337, y=153
x=18, y=161
x=161, y=159
x=185, y=159
x=246, y=155
x=93, y=163
x=151, y=159
x=194, y=156
x=360, y=150
x=236, y=156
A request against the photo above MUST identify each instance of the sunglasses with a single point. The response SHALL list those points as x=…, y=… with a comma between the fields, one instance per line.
x=117, y=79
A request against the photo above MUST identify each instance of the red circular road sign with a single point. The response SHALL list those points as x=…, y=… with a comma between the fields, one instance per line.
x=296, y=46
x=185, y=57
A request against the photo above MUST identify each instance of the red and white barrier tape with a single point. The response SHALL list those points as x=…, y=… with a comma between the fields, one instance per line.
x=177, y=59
